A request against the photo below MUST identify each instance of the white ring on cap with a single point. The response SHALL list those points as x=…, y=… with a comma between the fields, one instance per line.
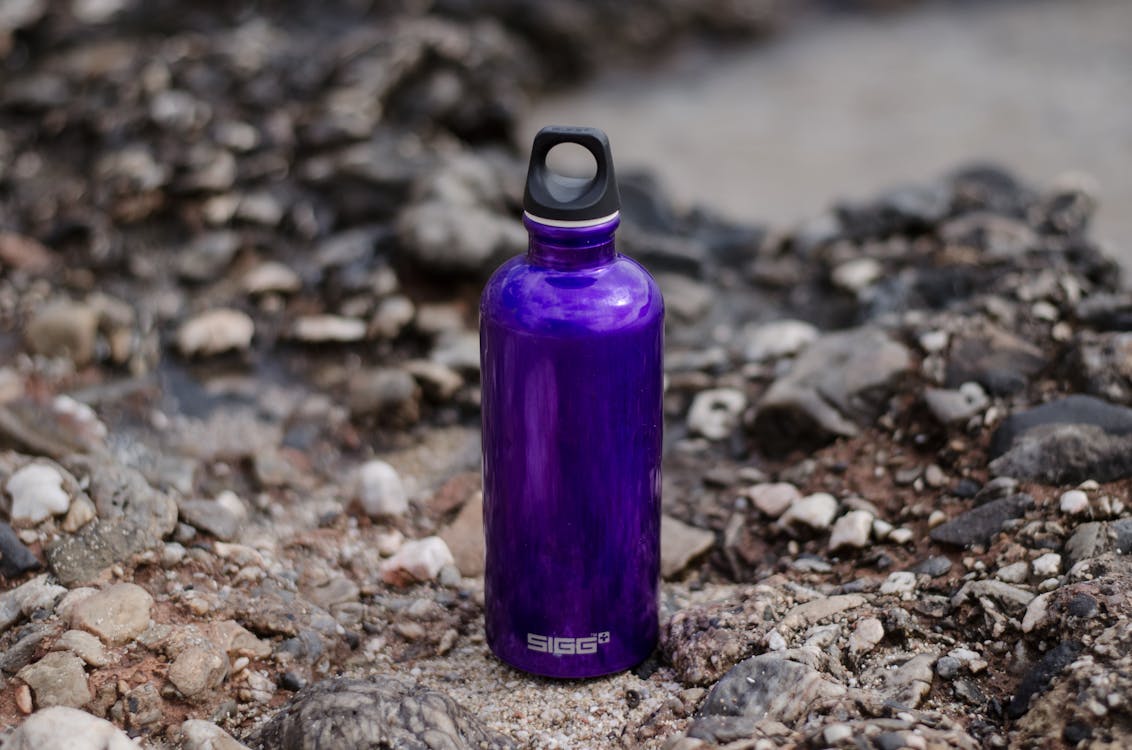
x=580, y=223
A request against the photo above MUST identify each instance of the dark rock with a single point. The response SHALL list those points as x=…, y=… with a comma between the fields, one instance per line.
x=1064, y=211
x=1088, y=540
x=979, y=525
x=934, y=566
x=988, y=187
x=1081, y=605
x=841, y=379
x=15, y=558
x=1075, y=409
x=1067, y=454
x=965, y=488
x=1038, y=679
x=769, y=686
x=373, y=713
x=999, y=361
x=1106, y=312
x=1074, y=733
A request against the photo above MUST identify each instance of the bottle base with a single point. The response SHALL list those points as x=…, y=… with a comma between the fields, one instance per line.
x=570, y=667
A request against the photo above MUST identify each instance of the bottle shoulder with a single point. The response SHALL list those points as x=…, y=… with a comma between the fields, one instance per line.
x=615, y=296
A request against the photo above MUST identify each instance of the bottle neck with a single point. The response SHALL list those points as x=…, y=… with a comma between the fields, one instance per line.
x=571, y=247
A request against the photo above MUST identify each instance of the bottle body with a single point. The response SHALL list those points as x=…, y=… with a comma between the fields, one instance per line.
x=571, y=339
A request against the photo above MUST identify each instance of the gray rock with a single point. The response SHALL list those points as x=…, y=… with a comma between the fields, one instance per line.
x=375, y=712
x=63, y=728
x=841, y=379
x=769, y=686
x=952, y=406
x=26, y=598
x=1101, y=364
x=385, y=393
x=1096, y=538
x=207, y=256
x=999, y=361
x=24, y=651
x=933, y=566
x=58, y=679
x=451, y=238
x=780, y=338
x=132, y=517
x=197, y=669
x=117, y=614
x=1076, y=409
x=685, y=298
x=979, y=525
x=680, y=544
x=85, y=646
x=1013, y=599
x=1067, y=453
x=223, y=517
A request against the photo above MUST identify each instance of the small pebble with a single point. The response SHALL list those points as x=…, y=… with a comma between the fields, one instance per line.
x=816, y=511
x=900, y=583
x=1074, y=502
x=1047, y=565
x=380, y=490
x=773, y=498
x=851, y=530
x=417, y=560
x=37, y=494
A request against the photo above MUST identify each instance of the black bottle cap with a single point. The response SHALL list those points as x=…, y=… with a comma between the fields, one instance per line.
x=550, y=195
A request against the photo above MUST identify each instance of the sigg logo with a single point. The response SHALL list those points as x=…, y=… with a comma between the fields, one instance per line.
x=546, y=644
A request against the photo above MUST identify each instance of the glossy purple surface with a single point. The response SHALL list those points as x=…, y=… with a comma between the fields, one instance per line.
x=571, y=339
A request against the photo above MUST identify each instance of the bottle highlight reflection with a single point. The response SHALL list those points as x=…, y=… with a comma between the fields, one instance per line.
x=571, y=339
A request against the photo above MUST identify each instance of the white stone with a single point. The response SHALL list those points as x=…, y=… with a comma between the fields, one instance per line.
x=214, y=332
x=866, y=635
x=204, y=735
x=775, y=641
x=780, y=338
x=393, y=314
x=336, y=328
x=882, y=528
x=835, y=733
x=271, y=276
x=37, y=494
x=715, y=413
x=857, y=274
x=934, y=342
x=773, y=498
x=900, y=583
x=816, y=511
x=1014, y=573
x=851, y=530
x=1074, y=502
x=62, y=728
x=417, y=560
x=1047, y=565
x=902, y=535
x=1037, y=613
x=380, y=490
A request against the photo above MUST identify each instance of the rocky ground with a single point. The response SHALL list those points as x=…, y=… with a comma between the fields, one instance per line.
x=238, y=412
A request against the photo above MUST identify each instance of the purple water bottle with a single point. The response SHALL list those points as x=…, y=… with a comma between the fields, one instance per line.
x=571, y=339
